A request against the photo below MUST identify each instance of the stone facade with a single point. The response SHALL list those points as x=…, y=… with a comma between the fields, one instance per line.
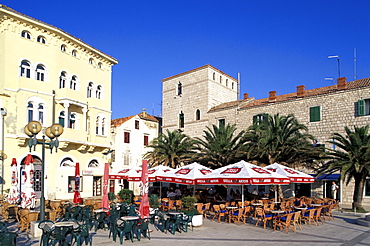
x=336, y=107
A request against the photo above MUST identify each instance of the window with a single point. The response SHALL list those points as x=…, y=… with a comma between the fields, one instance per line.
x=40, y=72
x=62, y=80
x=30, y=111
x=232, y=85
x=137, y=124
x=62, y=118
x=41, y=113
x=26, y=35
x=220, y=79
x=41, y=39
x=99, y=65
x=102, y=126
x=315, y=114
x=74, y=53
x=97, y=125
x=221, y=122
x=126, y=137
x=90, y=89
x=197, y=115
x=181, y=120
x=260, y=118
x=91, y=61
x=67, y=162
x=98, y=92
x=214, y=76
x=73, y=82
x=146, y=140
x=363, y=107
x=93, y=164
x=72, y=121
x=63, y=48
x=227, y=82
x=179, y=88
x=72, y=184
x=26, y=69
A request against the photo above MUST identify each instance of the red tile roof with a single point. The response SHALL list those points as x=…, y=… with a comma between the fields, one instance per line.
x=250, y=102
x=142, y=115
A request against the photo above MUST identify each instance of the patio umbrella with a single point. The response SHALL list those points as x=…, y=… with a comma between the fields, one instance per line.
x=29, y=195
x=77, y=195
x=293, y=175
x=14, y=196
x=105, y=202
x=121, y=174
x=144, y=186
x=242, y=173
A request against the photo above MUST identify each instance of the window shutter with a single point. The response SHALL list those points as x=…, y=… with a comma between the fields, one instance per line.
x=255, y=119
x=361, y=107
x=315, y=114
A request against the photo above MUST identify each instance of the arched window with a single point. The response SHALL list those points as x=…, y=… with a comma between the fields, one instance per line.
x=41, y=39
x=214, y=76
x=197, y=115
x=63, y=48
x=26, y=69
x=74, y=53
x=220, y=79
x=73, y=82
x=91, y=61
x=227, y=82
x=99, y=65
x=90, y=89
x=62, y=80
x=40, y=72
x=232, y=85
x=181, y=120
x=72, y=121
x=41, y=113
x=67, y=162
x=179, y=88
x=26, y=35
x=93, y=164
x=62, y=117
x=98, y=92
x=97, y=125
x=30, y=111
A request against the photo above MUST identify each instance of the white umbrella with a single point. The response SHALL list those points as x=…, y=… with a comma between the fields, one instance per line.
x=14, y=196
x=29, y=195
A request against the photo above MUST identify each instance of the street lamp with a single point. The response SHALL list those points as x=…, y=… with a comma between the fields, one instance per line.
x=54, y=131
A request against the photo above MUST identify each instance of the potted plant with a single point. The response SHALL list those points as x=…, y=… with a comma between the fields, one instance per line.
x=111, y=196
x=188, y=203
x=154, y=201
x=126, y=195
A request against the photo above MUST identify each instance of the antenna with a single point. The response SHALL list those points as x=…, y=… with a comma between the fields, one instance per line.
x=354, y=64
x=238, y=86
x=336, y=56
x=331, y=79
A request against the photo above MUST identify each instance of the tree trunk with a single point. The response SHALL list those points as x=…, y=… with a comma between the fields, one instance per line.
x=359, y=190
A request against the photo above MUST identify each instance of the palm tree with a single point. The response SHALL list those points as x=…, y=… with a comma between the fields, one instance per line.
x=170, y=149
x=280, y=139
x=352, y=159
x=220, y=146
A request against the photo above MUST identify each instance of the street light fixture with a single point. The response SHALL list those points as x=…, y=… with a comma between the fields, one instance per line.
x=31, y=130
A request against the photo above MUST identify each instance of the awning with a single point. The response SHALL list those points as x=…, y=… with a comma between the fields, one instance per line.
x=324, y=177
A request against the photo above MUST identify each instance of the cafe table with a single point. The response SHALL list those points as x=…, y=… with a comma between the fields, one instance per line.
x=72, y=224
x=130, y=218
x=277, y=211
x=316, y=205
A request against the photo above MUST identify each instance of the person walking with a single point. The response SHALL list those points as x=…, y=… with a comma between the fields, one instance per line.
x=334, y=190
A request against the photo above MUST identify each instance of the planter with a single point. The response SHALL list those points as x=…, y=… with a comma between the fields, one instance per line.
x=197, y=220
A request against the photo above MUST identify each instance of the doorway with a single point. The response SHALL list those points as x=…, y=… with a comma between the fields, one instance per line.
x=302, y=190
x=97, y=185
x=37, y=178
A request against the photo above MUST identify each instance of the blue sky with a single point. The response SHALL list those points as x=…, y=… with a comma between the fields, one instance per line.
x=274, y=45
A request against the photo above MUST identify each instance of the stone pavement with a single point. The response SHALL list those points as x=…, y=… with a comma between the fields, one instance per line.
x=343, y=230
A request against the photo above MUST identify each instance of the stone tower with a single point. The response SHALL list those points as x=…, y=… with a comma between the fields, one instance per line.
x=187, y=97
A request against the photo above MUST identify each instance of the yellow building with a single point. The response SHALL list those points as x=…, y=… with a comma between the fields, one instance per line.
x=50, y=76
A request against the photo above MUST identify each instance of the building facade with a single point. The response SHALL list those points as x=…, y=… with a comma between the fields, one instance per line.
x=323, y=110
x=131, y=135
x=50, y=76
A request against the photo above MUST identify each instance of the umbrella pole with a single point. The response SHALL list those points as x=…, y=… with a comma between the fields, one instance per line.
x=160, y=191
x=243, y=196
x=194, y=190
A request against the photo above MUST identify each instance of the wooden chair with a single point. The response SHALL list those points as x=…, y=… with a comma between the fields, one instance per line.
x=200, y=208
x=236, y=215
x=218, y=212
x=317, y=216
x=284, y=221
x=262, y=217
x=246, y=213
x=296, y=221
x=178, y=204
x=206, y=207
x=53, y=215
x=26, y=217
x=308, y=216
x=5, y=211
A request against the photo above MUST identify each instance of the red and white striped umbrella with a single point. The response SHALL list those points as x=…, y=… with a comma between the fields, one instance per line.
x=191, y=174
x=28, y=195
x=77, y=195
x=293, y=175
x=14, y=195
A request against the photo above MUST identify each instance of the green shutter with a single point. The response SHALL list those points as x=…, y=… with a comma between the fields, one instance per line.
x=315, y=114
x=361, y=107
x=255, y=119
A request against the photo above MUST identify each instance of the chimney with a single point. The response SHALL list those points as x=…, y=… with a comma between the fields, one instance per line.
x=144, y=112
x=301, y=90
x=272, y=96
x=342, y=83
x=245, y=96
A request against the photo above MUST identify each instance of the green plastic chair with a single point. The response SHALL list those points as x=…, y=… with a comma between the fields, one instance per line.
x=82, y=232
x=99, y=220
x=59, y=235
x=126, y=228
x=143, y=229
x=113, y=226
x=3, y=227
x=186, y=220
x=8, y=238
x=46, y=227
x=174, y=224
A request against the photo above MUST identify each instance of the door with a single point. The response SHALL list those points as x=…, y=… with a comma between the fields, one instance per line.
x=111, y=185
x=97, y=185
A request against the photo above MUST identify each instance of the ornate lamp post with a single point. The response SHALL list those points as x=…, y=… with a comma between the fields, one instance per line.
x=52, y=132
